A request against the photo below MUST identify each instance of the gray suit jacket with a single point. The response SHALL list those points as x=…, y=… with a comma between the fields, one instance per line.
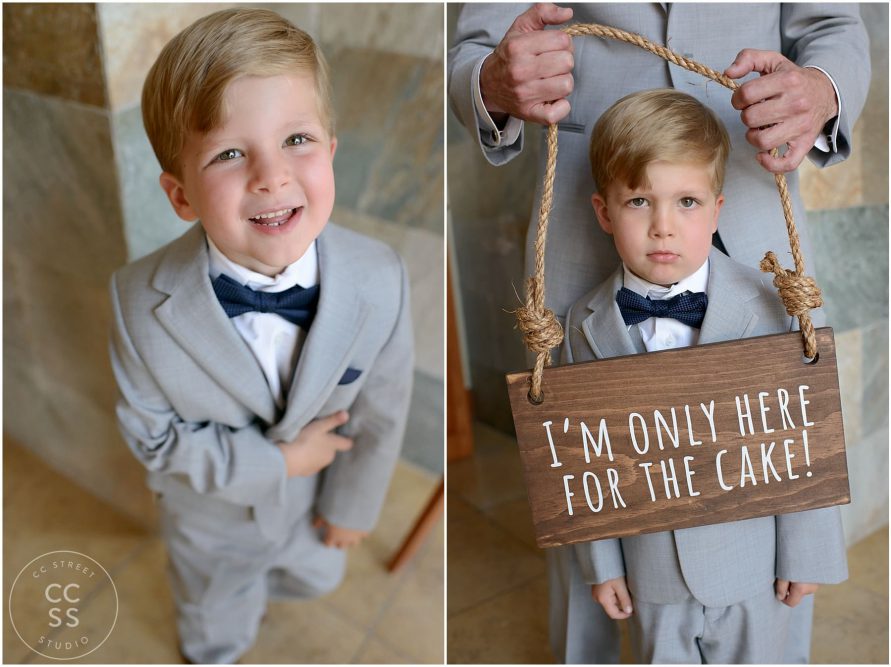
x=724, y=563
x=196, y=409
x=578, y=253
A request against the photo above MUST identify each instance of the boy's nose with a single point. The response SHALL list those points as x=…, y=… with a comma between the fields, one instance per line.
x=661, y=224
x=270, y=175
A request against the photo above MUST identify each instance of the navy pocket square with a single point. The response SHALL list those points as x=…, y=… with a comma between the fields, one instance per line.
x=350, y=375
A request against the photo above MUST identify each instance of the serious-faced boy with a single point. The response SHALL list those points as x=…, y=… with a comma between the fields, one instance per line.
x=263, y=346
x=719, y=593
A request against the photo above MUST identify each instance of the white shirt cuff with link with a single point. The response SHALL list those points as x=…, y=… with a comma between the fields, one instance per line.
x=492, y=136
x=827, y=142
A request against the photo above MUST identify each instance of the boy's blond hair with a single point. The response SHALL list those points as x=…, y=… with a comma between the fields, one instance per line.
x=653, y=125
x=183, y=91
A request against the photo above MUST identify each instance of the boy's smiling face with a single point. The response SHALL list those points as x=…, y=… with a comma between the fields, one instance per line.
x=662, y=231
x=271, y=157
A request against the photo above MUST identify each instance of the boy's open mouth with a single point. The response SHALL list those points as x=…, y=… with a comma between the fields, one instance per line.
x=273, y=218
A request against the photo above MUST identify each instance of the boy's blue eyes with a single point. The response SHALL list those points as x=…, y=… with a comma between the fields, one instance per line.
x=232, y=153
x=640, y=202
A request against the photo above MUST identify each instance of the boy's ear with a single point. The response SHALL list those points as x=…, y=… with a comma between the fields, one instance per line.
x=333, y=146
x=175, y=192
x=602, y=212
x=719, y=202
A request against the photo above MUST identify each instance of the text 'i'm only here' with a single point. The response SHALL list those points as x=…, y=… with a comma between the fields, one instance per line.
x=770, y=446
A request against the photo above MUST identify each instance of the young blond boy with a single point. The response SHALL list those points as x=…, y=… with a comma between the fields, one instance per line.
x=711, y=594
x=264, y=358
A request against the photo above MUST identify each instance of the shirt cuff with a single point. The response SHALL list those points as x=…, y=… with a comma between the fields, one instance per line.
x=489, y=131
x=826, y=140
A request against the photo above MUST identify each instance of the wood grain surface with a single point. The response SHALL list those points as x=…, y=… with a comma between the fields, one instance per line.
x=700, y=435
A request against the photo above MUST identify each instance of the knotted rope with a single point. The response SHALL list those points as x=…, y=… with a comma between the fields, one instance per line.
x=540, y=328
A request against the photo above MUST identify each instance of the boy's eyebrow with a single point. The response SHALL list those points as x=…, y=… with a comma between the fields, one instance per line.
x=210, y=138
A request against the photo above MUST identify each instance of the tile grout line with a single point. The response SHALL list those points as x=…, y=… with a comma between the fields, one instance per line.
x=385, y=605
x=503, y=531
x=488, y=599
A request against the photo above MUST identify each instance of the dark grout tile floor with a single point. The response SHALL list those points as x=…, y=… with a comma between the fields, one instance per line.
x=497, y=587
x=374, y=617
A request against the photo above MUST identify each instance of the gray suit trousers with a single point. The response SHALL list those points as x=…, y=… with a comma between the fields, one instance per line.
x=223, y=570
x=754, y=631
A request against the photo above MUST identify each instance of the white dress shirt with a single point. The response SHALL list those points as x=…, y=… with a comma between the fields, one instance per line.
x=273, y=340
x=663, y=333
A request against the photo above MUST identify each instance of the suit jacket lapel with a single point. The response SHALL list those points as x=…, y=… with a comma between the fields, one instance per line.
x=334, y=332
x=728, y=315
x=604, y=329
x=193, y=317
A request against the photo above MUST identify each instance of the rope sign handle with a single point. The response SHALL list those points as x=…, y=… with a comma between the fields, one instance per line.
x=540, y=328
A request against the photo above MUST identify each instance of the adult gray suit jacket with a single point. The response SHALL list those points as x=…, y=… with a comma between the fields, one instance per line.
x=578, y=254
x=725, y=563
x=196, y=409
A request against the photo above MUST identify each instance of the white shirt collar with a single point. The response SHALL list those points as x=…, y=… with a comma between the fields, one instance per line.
x=697, y=282
x=303, y=272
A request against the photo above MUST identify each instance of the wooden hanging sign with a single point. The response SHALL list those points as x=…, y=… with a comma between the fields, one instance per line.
x=680, y=438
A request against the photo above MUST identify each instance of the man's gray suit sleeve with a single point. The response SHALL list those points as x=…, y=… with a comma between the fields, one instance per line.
x=479, y=29
x=833, y=38
x=236, y=465
x=355, y=484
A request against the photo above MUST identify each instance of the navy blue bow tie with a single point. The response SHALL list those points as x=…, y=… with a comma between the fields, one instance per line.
x=297, y=304
x=688, y=307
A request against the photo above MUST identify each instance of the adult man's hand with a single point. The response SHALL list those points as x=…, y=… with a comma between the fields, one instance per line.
x=787, y=105
x=530, y=73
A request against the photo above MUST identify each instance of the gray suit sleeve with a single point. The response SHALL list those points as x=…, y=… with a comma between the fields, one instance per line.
x=833, y=38
x=480, y=27
x=811, y=547
x=600, y=560
x=236, y=465
x=355, y=484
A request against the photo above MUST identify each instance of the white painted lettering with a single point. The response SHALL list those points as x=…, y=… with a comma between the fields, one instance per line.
x=747, y=414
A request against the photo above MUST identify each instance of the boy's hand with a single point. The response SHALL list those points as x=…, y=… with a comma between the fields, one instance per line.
x=337, y=536
x=791, y=593
x=614, y=597
x=316, y=445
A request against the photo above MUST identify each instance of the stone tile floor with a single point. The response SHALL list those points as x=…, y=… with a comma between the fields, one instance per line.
x=497, y=592
x=372, y=618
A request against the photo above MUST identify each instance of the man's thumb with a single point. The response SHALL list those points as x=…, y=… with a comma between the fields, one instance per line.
x=754, y=60
x=540, y=15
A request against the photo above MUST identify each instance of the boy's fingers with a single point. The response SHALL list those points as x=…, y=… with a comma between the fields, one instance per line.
x=624, y=599
x=612, y=607
x=343, y=444
x=318, y=522
x=795, y=595
x=331, y=422
x=782, y=589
